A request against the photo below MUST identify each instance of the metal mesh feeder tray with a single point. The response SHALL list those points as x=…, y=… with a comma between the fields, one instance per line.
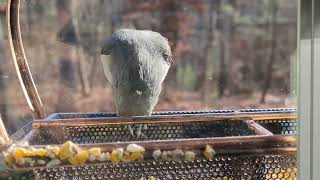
x=244, y=149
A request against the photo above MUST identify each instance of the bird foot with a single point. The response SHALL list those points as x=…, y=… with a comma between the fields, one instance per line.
x=137, y=132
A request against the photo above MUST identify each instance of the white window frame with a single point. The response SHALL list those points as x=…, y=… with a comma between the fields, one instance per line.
x=308, y=91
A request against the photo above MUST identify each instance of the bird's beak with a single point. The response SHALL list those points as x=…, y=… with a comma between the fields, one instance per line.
x=105, y=51
x=107, y=47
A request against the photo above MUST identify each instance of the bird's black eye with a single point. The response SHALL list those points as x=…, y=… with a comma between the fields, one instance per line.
x=167, y=57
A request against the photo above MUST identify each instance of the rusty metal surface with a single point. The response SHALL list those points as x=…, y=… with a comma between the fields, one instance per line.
x=222, y=167
x=106, y=127
x=114, y=133
x=283, y=126
x=246, y=148
x=70, y=115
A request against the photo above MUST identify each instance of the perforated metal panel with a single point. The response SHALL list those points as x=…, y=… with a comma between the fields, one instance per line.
x=230, y=166
x=227, y=167
x=284, y=126
x=114, y=133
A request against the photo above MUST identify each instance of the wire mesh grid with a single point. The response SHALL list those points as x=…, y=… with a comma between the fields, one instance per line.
x=284, y=126
x=258, y=164
x=223, y=167
x=115, y=133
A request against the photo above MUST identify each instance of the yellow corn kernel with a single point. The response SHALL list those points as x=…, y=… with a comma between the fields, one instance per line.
x=53, y=149
x=29, y=152
x=94, y=151
x=152, y=178
x=135, y=155
x=56, y=151
x=116, y=155
x=67, y=150
x=209, y=152
x=40, y=152
x=82, y=156
x=9, y=159
x=131, y=156
x=126, y=157
x=73, y=160
x=19, y=153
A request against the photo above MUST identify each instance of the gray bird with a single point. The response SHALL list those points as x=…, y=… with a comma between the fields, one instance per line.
x=138, y=64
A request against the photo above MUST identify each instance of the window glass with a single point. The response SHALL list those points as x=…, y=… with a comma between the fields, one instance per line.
x=226, y=54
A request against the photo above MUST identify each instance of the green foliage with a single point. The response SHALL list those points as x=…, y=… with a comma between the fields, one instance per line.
x=186, y=77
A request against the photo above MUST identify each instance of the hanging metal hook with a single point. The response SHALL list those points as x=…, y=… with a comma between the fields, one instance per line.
x=20, y=61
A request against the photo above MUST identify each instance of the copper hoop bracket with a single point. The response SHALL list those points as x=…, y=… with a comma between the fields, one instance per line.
x=20, y=61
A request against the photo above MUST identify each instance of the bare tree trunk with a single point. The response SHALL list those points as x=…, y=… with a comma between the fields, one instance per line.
x=29, y=18
x=93, y=71
x=269, y=71
x=3, y=99
x=173, y=36
x=3, y=61
x=202, y=79
x=93, y=75
x=112, y=23
x=222, y=75
x=66, y=101
x=85, y=86
x=225, y=25
x=224, y=45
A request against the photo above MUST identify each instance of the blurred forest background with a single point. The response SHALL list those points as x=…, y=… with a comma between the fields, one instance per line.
x=228, y=54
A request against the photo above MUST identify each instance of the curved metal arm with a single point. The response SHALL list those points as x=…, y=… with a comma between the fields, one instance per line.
x=20, y=60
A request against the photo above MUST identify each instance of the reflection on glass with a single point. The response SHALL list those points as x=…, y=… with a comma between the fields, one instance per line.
x=228, y=54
